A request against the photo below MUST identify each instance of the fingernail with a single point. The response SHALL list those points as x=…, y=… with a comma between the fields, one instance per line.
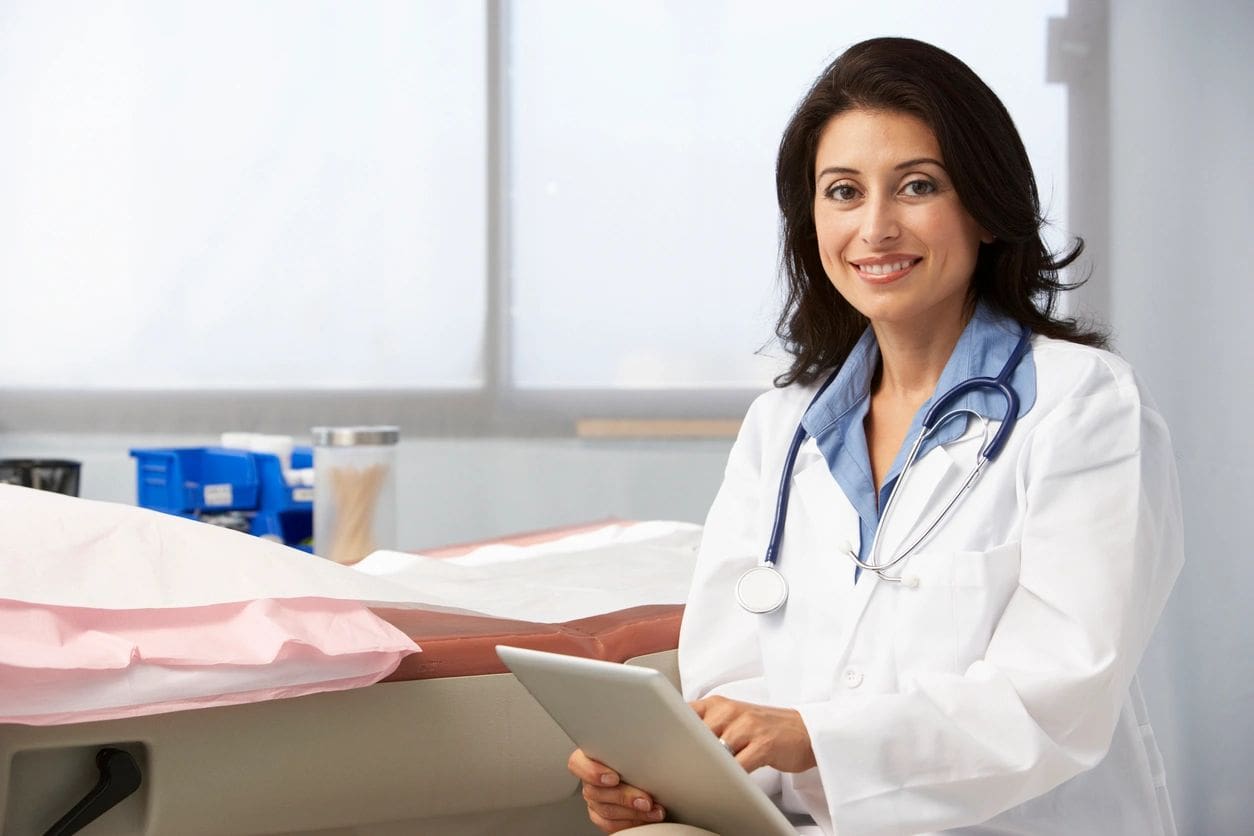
x=641, y=804
x=609, y=779
x=657, y=813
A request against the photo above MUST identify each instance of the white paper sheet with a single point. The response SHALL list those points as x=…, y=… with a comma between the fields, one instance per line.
x=65, y=551
x=612, y=568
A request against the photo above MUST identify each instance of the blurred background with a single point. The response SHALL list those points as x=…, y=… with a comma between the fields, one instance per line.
x=540, y=238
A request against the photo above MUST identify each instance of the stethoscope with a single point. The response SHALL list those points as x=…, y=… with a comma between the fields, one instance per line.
x=763, y=589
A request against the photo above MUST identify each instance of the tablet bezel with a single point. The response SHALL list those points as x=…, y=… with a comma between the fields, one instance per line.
x=633, y=720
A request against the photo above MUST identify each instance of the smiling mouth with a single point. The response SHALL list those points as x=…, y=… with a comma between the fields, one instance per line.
x=886, y=272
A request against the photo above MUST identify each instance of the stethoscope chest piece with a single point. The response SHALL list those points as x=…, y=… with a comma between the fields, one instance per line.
x=762, y=589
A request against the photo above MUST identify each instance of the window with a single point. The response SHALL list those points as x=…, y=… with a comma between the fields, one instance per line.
x=642, y=142
x=428, y=211
x=243, y=195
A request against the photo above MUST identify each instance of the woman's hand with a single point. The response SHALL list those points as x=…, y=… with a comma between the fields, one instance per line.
x=759, y=735
x=612, y=805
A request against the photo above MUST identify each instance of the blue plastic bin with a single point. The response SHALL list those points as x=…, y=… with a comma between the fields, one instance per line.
x=193, y=479
x=202, y=483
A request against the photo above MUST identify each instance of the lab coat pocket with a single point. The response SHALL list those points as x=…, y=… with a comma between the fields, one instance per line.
x=944, y=622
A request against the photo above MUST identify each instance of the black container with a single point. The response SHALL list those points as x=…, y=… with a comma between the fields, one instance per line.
x=57, y=475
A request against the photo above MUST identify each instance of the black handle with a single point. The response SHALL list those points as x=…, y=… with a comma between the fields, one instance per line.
x=119, y=777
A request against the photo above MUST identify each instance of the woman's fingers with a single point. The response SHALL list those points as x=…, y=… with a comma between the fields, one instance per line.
x=758, y=735
x=612, y=804
x=639, y=811
x=742, y=744
x=623, y=795
x=591, y=772
x=613, y=809
x=716, y=712
x=752, y=756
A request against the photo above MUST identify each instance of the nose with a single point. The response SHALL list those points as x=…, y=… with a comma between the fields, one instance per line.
x=879, y=221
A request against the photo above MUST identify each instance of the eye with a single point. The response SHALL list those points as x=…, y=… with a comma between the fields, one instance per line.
x=842, y=192
x=919, y=188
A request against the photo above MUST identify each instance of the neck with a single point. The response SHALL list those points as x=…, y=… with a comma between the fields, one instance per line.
x=912, y=359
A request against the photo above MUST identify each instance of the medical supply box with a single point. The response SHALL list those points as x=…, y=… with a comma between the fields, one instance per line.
x=241, y=489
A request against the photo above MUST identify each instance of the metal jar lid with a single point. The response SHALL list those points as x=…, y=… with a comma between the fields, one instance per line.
x=355, y=436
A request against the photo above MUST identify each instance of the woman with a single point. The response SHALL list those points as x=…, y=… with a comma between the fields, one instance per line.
x=985, y=681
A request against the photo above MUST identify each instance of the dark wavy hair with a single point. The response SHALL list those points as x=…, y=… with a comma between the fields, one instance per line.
x=1016, y=274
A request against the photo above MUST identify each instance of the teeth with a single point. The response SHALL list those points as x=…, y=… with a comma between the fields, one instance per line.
x=884, y=269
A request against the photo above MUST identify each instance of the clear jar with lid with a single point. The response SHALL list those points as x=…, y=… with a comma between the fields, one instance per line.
x=354, y=491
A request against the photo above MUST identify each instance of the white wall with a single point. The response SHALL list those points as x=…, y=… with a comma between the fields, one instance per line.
x=1181, y=249
x=455, y=490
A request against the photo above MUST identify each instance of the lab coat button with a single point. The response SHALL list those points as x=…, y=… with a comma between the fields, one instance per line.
x=853, y=678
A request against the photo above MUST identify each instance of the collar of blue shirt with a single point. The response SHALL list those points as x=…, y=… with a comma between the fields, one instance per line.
x=982, y=351
x=835, y=419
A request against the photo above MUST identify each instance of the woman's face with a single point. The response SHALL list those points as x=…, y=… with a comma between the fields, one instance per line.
x=893, y=236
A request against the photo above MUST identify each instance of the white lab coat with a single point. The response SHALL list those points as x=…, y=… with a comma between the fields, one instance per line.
x=998, y=696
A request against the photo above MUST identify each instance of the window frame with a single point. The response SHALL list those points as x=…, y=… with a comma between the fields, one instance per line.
x=497, y=408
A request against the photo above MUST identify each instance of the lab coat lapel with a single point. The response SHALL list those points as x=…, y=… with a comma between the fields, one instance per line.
x=836, y=522
x=836, y=533
x=827, y=528
x=927, y=489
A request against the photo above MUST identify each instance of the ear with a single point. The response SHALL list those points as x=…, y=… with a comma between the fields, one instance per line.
x=986, y=237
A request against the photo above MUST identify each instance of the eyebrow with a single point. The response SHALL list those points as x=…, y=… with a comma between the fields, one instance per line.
x=835, y=169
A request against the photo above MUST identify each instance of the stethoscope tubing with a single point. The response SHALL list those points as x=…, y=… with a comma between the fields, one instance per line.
x=936, y=417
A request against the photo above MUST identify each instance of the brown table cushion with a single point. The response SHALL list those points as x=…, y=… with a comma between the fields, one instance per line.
x=465, y=645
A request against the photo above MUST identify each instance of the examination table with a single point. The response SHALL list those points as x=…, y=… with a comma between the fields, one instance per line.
x=449, y=745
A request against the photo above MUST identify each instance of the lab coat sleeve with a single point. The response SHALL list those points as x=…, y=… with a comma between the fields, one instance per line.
x=718, y=640
x=719, y=652
x=1100, y=549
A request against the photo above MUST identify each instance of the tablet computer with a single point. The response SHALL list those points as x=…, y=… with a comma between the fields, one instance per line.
x=633, y=720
